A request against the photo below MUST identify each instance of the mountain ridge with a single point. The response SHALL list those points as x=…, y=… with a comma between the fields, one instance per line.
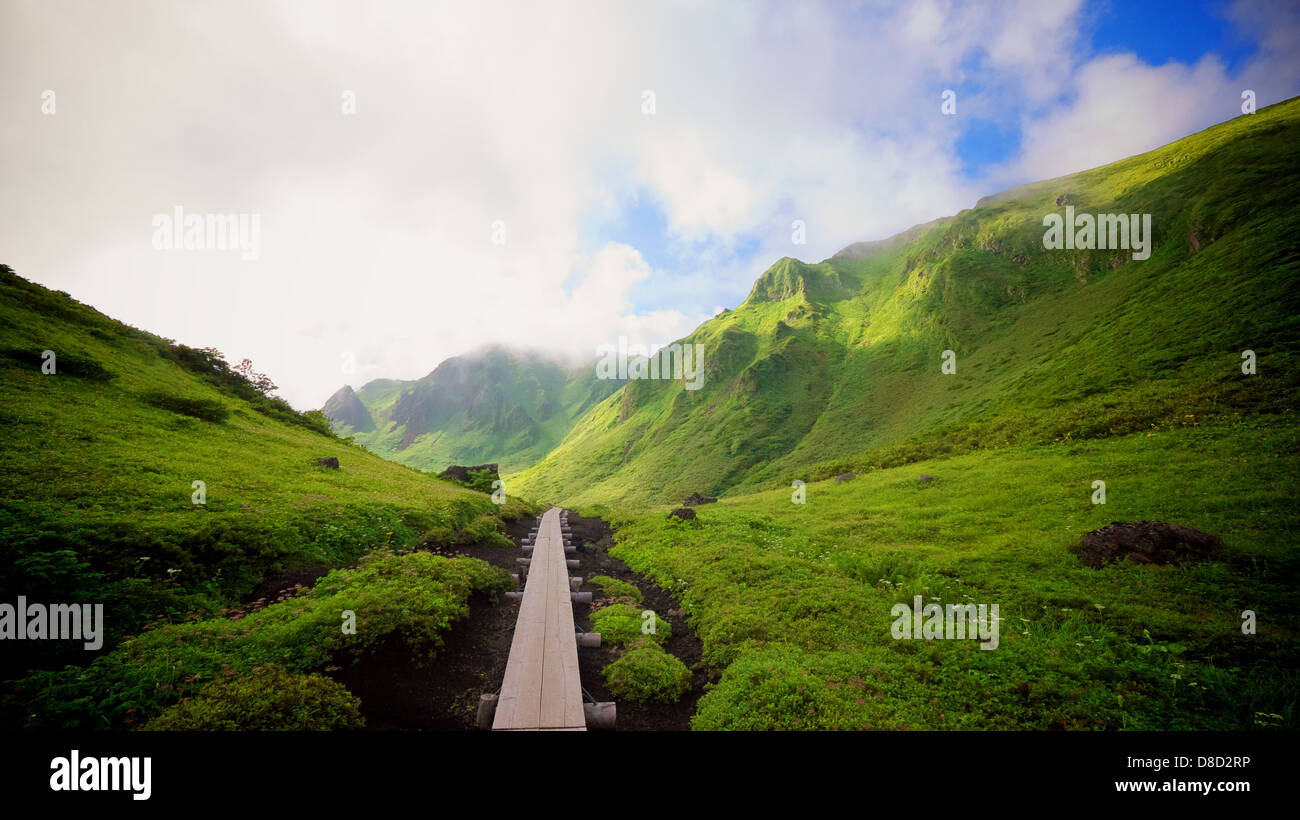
x=836, y=365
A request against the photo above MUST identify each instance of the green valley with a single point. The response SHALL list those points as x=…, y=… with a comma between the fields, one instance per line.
x=927, y=417
x=1171, y=380
x=492, y=405
x=835, y=366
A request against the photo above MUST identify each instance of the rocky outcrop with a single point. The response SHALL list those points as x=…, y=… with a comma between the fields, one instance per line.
x=695, y=499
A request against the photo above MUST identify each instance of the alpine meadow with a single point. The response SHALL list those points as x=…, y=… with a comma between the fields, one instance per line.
x=781, y=390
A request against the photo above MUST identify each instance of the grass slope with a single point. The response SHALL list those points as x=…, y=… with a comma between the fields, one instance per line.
x=793, y=601
x=98, y=468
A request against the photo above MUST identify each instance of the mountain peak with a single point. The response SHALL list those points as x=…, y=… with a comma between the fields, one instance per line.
x=344, y=409
x=789, y=277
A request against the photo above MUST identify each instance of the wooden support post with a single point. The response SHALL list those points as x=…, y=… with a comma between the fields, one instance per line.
x=487, y=709
x=581, y=597
x=600, y=715
x=589, y=640
x=575, y=582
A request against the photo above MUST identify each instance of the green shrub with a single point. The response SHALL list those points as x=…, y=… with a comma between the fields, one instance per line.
x=414, y=596
x=267, y=699
x=481, y=480
x=646, y=672
x=211, y=364
x=620, y=624
x=65, y=364
x=614, y=588
x=205, y=409
x=781, y=688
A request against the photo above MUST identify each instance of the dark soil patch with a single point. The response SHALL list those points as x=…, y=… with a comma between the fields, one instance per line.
x=1146, y=542
x=286, y=584
x=443, y=694
x=593, y=538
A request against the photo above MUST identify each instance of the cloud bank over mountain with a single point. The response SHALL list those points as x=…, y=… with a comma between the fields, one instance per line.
x=484, y=189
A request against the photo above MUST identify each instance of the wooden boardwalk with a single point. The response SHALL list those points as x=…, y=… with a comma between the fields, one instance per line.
x=541, y=689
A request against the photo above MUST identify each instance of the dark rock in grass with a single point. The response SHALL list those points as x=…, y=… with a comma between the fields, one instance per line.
x=1145, y=542
x=330, y=462
x=695, y=499
x=682, y=514
x=1067, y=199
x=1194, y=241
x=844, y=477
x=925, y=479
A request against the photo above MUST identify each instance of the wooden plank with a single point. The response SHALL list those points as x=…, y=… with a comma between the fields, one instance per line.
x=541, y=688
x=553, y=671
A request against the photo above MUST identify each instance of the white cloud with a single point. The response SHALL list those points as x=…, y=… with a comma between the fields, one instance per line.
x=1116, y=105
x=1124, y=107
x=377, y=228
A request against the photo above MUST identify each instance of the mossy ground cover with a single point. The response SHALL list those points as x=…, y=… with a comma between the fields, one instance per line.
x=621, y=624
x=793, y=601
x=645, y=672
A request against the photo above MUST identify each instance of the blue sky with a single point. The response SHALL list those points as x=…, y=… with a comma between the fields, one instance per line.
x=1162, y=30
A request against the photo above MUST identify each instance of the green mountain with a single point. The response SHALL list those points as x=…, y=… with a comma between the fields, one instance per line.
x=837, y=366
x=494, y=405
x=148, y=476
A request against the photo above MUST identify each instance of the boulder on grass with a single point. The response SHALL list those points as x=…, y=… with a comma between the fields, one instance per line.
x=1146, y=542
x=844, y=477
x=331, y=462
x=682, y=514
x=695, y=499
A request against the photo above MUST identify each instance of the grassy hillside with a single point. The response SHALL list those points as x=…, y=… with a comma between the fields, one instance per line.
x=98, y=468
x=793, y=601
x=494, y=405
x=837, y=365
